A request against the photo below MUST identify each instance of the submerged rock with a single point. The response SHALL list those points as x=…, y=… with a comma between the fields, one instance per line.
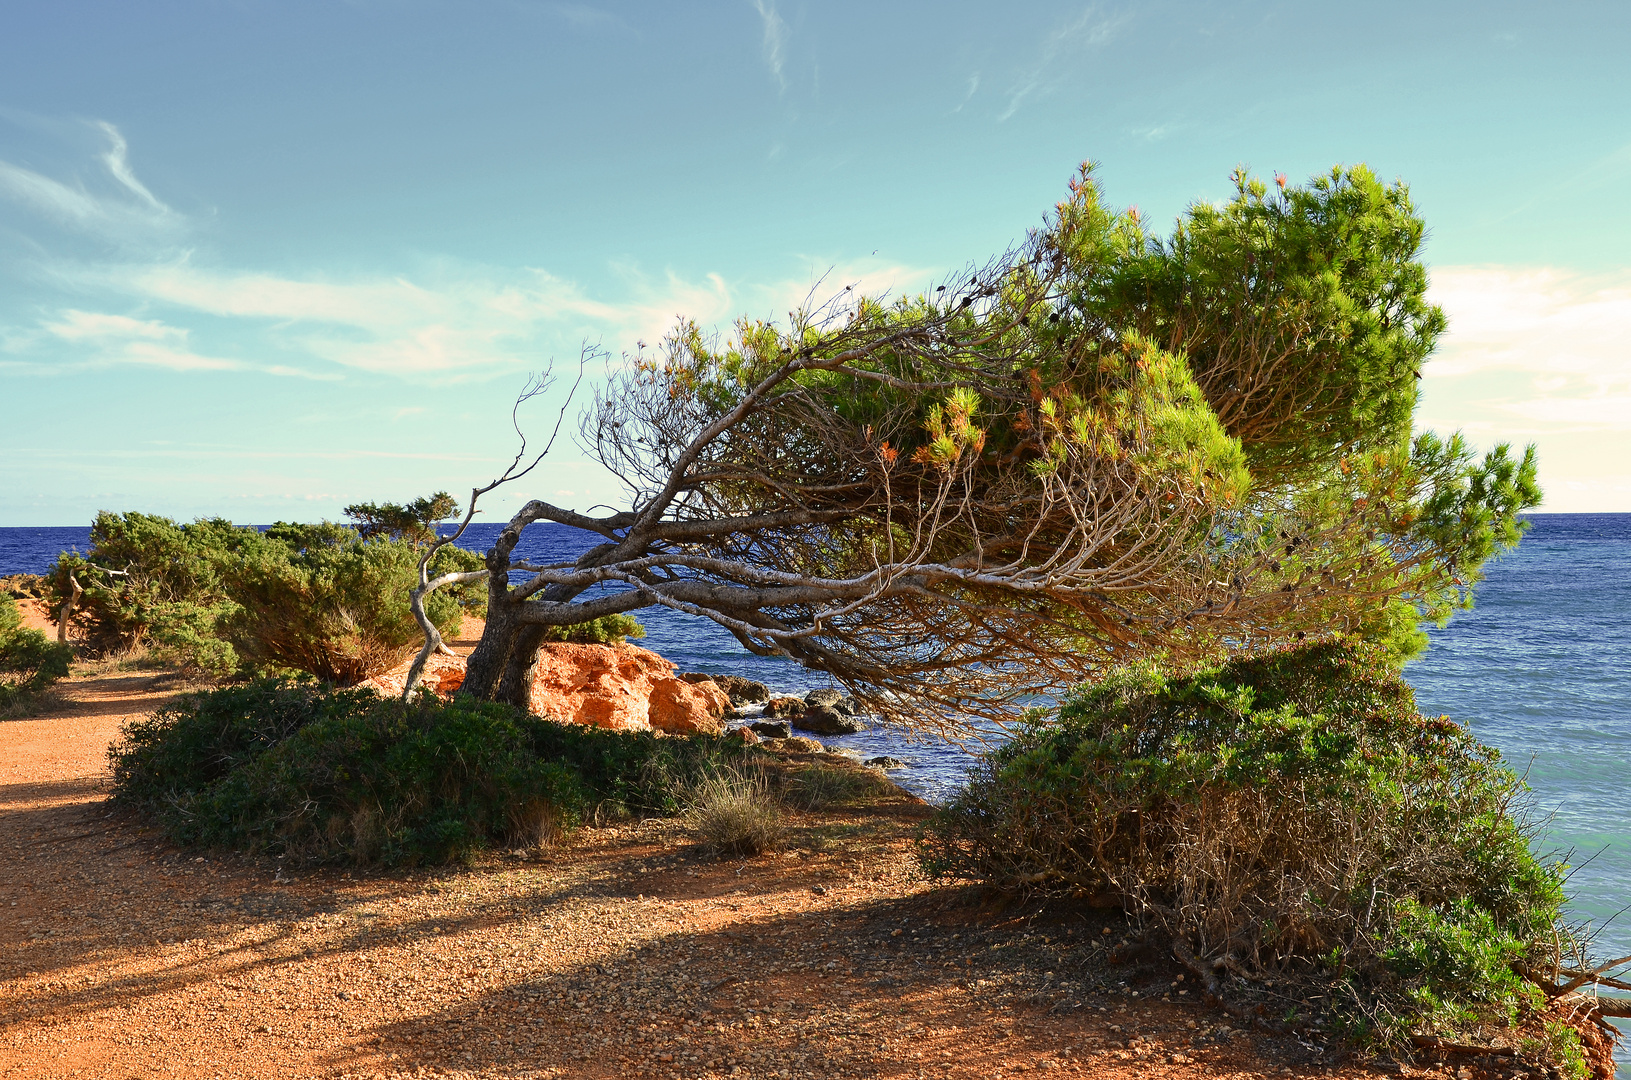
x=885, y=762
x=832, y=699
x=826, y=720
x=741, y=691
x=797, y=744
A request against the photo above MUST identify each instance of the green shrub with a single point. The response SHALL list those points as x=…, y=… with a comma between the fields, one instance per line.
x=319, y=599
x=300, y=769
x=1289, y=816
x=149, y=580
x=606, y=630
x=29, y=661
x=193, y=743
x=227, y=600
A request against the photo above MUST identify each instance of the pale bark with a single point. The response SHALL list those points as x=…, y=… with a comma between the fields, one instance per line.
x=66, y=615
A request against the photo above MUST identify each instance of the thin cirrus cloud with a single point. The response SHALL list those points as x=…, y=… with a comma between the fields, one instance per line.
x=161, y=310
x=120, y=211
x=103, y=340
x=462, y=325
x=1535, y=343
x=1059, y=49
x=117, y=159
x=775, y=40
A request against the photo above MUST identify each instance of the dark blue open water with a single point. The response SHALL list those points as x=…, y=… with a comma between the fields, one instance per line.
x=1541, y=669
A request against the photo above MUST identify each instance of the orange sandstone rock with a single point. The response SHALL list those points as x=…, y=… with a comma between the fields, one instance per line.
x=687, y=708
x=622, y=687
x=442, y=675
x=606, y=686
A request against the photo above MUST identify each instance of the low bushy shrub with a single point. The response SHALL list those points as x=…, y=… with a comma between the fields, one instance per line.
x=321, y=600
x=29, y=661
x=148, y=580
x=300, y=769
x=1289, y=817
x=228, y=600
x=606, y=630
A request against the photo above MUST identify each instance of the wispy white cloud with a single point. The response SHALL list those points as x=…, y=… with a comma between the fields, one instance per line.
x=118, y=162
x=458, y=323
x=102, y=340
x=75, y=325
x=775, y=40
x=968, y=94
x=128, y=210
x=444, y=322
x=1088, y=30
x=1535, y=344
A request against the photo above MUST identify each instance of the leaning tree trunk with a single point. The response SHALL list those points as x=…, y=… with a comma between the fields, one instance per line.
x=515, y=686
x=485, y=668
x=67, y=613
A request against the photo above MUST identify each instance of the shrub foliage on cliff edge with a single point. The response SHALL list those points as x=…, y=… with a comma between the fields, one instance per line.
x=1289, y=817
x=29, y=662
x=300, y=769
x=227, y=599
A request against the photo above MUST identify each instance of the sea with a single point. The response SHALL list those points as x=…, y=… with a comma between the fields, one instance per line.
x=1539, y=668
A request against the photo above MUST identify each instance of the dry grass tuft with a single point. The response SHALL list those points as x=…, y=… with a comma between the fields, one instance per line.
x=734, y=814
x=26, y=706
x=819, y=787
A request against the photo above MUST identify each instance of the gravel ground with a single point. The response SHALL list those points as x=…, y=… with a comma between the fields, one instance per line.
x=628, y=952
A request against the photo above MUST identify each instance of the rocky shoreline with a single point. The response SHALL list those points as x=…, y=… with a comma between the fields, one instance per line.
x=626, y=688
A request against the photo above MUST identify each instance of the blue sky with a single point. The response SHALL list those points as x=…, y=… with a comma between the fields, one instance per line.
x=262, y=260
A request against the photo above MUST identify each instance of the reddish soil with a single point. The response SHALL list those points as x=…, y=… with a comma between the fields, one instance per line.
x=628, y=952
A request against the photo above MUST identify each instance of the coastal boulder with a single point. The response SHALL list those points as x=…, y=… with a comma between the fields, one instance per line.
x=442, y=676
x=827, y=697
x=621, y=687
x=606, y=686
x=826, y=720
x=772, y=729
x=685, y=708
x=741, y=691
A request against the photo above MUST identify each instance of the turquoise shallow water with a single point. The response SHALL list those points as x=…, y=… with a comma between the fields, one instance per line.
x=1541, y=669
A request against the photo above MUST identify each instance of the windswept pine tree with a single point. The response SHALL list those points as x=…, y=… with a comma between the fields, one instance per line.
x=1106, y=444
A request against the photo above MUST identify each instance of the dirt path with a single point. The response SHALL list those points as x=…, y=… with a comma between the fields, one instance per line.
x=627, y=954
